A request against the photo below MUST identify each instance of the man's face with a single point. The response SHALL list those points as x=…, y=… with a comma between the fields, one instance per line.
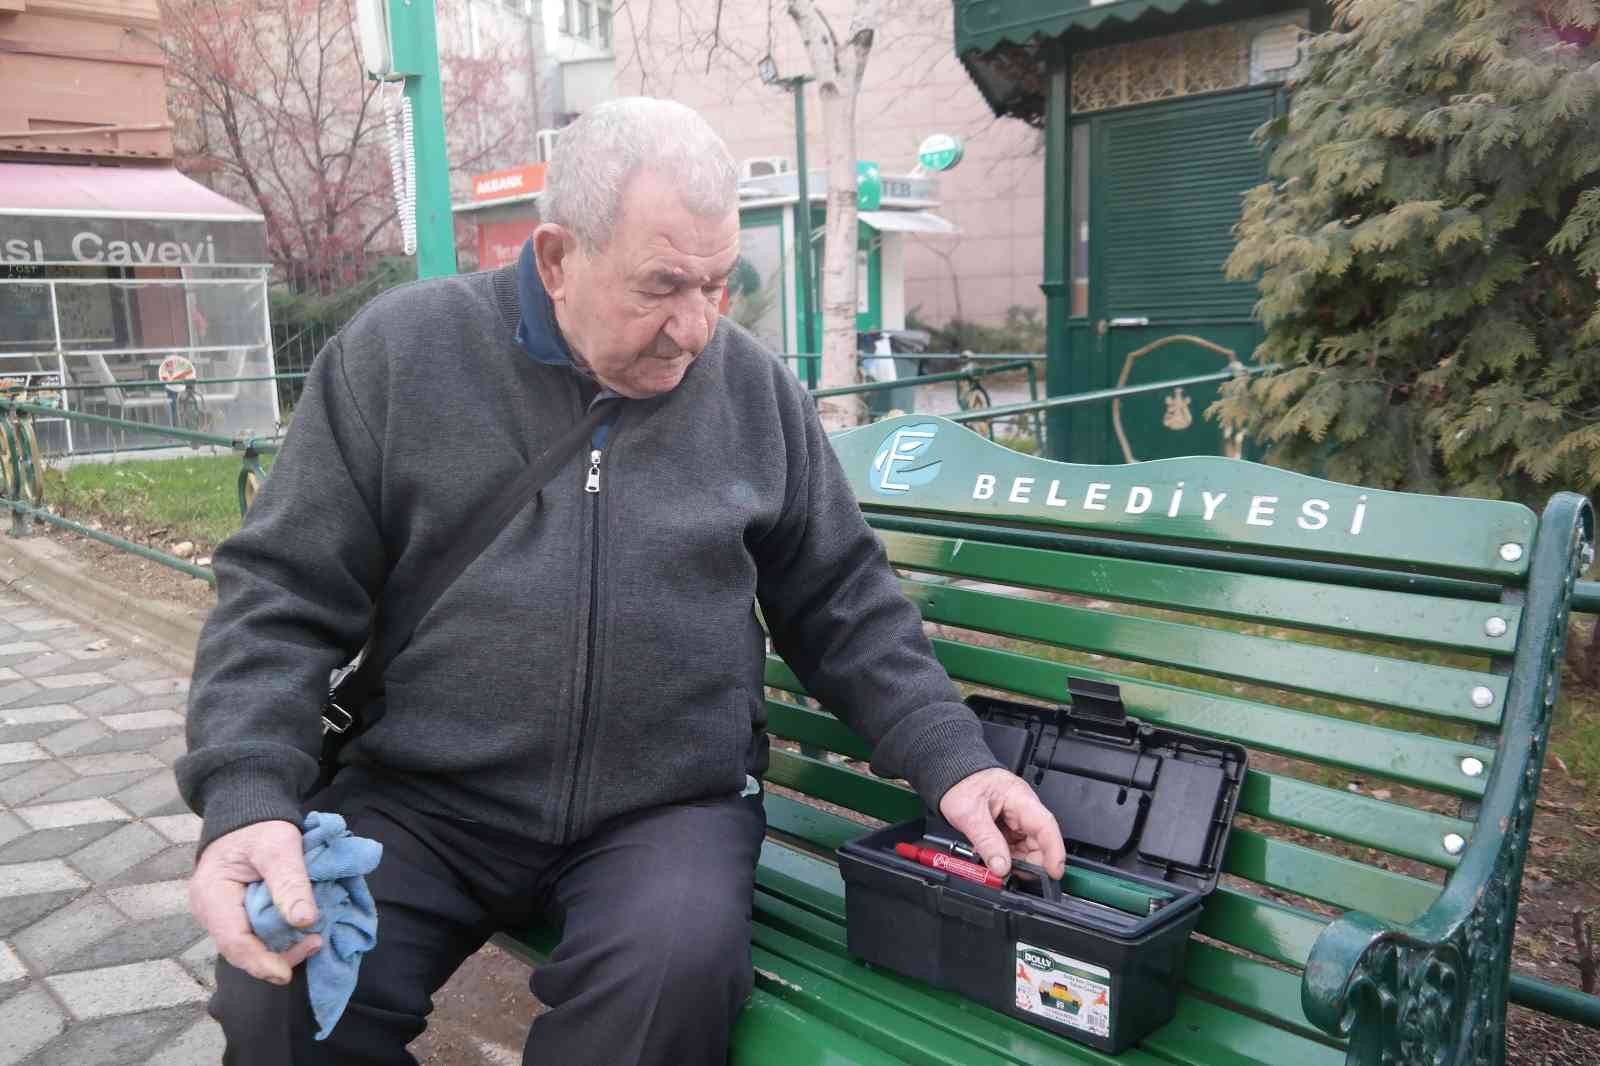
x=639, y=310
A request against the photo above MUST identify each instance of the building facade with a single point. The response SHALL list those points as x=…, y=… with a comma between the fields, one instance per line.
x=114, y=267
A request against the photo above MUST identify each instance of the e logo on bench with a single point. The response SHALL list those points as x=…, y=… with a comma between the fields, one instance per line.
x=891, y=473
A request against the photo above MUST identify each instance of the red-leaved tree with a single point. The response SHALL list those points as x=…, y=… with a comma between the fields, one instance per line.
x=272, y=106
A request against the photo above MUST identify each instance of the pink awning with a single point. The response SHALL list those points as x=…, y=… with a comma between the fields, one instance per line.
x=53, y=213
x=158, y=192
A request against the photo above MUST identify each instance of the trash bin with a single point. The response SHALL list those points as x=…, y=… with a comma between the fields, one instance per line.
x=881, y=360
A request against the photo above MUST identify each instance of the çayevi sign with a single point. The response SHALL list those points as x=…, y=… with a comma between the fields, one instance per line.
x=28, y=238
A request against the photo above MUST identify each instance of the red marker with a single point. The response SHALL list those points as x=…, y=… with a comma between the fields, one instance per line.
x=943, y=860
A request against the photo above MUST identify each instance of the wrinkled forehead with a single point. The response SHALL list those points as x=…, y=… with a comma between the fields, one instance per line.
x=656, y=230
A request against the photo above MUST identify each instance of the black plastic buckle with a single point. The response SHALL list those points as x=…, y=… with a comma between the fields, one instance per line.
x=329, y=725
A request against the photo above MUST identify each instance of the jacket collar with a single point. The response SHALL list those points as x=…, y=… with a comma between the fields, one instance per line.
x=537, y=330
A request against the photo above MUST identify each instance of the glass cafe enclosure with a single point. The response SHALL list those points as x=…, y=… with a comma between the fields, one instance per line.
x=132, y=275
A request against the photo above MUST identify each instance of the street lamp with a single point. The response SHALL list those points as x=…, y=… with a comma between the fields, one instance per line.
x=767, y=69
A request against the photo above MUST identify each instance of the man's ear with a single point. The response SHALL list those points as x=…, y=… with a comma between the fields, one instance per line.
x=554, y=250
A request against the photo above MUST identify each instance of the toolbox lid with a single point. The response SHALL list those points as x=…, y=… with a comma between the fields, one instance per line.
x=1128, y=794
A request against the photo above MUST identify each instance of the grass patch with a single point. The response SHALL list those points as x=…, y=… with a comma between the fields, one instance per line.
x=1575, y=740
x=192, y=499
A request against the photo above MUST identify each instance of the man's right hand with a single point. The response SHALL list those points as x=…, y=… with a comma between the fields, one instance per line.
x=266, y=851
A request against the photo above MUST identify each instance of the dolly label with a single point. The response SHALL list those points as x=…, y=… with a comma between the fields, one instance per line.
x=1067, y=991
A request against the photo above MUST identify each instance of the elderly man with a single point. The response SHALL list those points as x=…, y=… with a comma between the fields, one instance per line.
x=576, y=728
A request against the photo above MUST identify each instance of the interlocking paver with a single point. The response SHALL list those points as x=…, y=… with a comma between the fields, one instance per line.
x=122, y=723
x=83, y=680
x=76, y=736
x=155, y=938
x=116, y=698
x=50, y=944
x=46, y=625
x=169, y=750
x=126, y=848
x=53, y=843
x=53, y=712
x=19, y=912
x=11, y=967
x=73, y=812
x=175, y=862
x=98, y=785
x=138, y=986
x=178, y=828
x=200, y=1045
x=157, y=900
x=162, y=686
x=22, y=647
x=30, y=1019
x=201, y=961
x=115, y=1041
x=112, y=763
x=29, y=878
x=22, y=751
x=137, y=670
x=38, y=779
x=154, y=795
x=11, y=827
x=43, y=664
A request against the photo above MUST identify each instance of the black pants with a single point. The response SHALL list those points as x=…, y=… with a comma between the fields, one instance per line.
x=653, y=964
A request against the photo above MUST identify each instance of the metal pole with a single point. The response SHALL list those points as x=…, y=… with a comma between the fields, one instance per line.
x=414, y=39
x=802, y=250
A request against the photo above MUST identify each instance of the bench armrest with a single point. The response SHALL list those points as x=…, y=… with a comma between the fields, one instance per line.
x=1435, y=989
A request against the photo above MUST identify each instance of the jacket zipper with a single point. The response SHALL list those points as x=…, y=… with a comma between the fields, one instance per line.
x=591, y=486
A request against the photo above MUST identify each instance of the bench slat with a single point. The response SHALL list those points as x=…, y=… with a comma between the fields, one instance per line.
x=1356, y=819
x=1272, y=930
x=1327, y=878
x=1266, y=510
x=1426, y=762
x=1438, y=691
x=1399, y=830
x=1365, y=613
x=1218, y=973
x=1206, y=1034
x=770, y=1029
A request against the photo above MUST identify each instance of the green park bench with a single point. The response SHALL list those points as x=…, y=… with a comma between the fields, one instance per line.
x=1409, y=643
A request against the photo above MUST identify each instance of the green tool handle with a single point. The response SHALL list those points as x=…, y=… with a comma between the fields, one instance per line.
x=1112, y=891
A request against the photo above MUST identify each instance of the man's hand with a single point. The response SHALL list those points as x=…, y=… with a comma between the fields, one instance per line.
x=1001, y=815
x=266, y=851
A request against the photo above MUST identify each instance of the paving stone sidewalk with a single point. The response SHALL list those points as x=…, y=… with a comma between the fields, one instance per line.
x=101, y=963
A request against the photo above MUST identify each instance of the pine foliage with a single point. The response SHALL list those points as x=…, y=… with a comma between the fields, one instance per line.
x=1428, y=252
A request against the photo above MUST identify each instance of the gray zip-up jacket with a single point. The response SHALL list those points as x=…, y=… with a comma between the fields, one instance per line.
x=603, y=655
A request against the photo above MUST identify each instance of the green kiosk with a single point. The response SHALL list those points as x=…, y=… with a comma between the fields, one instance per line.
x=1148, y=110
x=765, y=297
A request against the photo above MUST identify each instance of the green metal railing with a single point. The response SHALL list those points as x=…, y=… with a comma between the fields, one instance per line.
x=22, y=473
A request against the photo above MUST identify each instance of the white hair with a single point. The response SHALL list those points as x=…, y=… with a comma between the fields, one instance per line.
x=597, y=155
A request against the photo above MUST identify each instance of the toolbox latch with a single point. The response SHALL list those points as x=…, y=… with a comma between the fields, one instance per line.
x=1097, y=705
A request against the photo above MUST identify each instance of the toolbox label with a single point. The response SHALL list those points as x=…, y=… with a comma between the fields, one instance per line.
x=1065, y=990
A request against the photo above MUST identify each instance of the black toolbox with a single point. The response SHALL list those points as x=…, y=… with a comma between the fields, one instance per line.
x=1099, y=958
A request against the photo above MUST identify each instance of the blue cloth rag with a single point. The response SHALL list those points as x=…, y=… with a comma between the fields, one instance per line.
x=347, y=918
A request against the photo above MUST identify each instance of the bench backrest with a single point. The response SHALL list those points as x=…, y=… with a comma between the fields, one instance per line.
x=1360, y=642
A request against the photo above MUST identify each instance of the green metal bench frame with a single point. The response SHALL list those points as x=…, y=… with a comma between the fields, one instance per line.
x=1457, y=610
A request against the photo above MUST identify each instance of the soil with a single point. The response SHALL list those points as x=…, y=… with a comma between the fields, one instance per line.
x=481, y=1017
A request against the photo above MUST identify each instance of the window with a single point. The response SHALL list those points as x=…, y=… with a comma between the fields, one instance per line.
x=588, y=20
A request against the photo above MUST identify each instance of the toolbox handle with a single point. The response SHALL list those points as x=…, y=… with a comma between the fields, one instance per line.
x=1051, y=887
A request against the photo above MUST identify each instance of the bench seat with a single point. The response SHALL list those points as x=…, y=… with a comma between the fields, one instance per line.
x=1391, y=661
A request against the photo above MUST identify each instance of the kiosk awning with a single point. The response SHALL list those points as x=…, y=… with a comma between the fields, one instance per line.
x=122, y=216
x=924, y=222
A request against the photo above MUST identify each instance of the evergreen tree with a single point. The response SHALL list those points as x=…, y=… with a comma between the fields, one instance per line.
x=1429, y=251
